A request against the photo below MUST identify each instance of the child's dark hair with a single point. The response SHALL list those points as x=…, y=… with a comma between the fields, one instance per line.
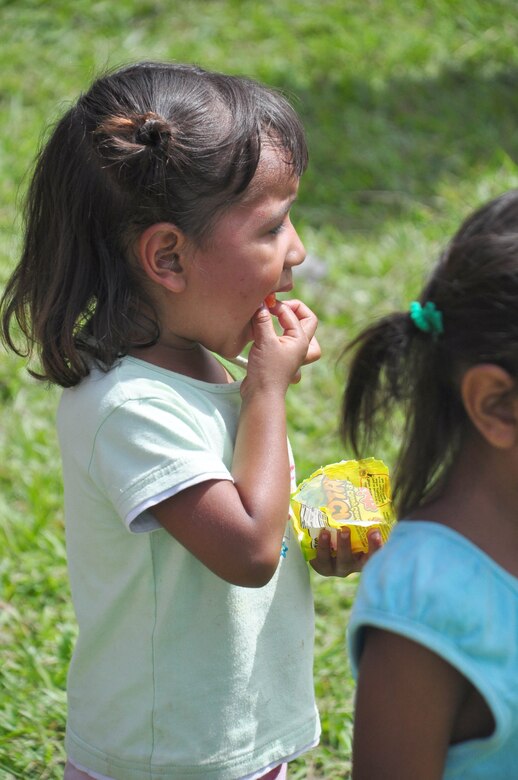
x=151, y=142
x=394, y=363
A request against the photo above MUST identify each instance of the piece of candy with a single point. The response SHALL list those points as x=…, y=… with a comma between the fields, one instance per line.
x=270, y=300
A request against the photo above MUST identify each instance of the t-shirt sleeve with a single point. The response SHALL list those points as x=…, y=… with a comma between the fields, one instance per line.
x=146, y=451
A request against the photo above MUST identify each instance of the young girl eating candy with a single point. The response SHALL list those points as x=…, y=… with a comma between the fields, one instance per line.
x=157, y=223
x=433, y=632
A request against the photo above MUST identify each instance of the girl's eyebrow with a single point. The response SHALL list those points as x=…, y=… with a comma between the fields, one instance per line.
x=281, y=213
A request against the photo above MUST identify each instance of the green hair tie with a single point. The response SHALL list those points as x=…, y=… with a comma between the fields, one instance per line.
x=427, y=318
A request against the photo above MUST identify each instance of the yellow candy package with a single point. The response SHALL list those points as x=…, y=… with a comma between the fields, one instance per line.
x=352, y=493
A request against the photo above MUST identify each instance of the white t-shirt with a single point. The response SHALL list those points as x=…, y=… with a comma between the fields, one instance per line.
x=176, y=674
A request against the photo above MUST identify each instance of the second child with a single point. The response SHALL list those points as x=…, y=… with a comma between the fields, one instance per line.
x=433, y=632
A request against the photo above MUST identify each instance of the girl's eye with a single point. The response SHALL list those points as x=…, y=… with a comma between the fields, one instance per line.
x=277, y=229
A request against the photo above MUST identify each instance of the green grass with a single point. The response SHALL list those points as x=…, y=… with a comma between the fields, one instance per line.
x=410, y=108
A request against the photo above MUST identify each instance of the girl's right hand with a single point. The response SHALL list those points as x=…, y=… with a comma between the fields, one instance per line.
x=309, y=322
x=275, y=360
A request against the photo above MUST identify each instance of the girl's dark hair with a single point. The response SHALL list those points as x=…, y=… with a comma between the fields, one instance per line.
x=393, y=364
x=152, y=142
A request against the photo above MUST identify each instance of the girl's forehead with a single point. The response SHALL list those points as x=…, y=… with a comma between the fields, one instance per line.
x=274, y=174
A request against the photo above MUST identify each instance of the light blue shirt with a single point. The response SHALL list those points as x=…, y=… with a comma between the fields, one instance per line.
x=433, y=586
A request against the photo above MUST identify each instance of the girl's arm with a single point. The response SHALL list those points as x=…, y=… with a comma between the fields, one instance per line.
x=236, y=529
x=407, y=703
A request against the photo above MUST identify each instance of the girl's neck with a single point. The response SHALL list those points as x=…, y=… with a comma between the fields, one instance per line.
x=188, y=358
x=480, y=501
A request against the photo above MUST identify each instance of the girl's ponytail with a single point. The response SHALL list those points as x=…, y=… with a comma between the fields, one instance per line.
x=376, y=378
x=133, y=145
x=397, y=369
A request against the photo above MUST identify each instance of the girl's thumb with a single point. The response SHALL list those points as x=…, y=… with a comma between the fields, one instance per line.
x=262, y=323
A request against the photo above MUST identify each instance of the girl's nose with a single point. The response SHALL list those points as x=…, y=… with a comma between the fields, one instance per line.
x=297, y=252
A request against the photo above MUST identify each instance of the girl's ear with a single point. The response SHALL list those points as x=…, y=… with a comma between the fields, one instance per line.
x=159, y=250
x=491, y=402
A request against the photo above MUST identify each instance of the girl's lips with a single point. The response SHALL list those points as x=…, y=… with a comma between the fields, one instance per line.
x=286, y=289
x=271, y=299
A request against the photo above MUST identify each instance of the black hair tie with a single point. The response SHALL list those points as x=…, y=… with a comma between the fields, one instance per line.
x=150, y=133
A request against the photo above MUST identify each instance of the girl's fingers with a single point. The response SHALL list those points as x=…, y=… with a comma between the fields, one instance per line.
x=343, y=561
x=305, y=316
x=298, y=325
x=292, y=328
x=308, y=322
x=346, y=561
x=269, y=350
x=324, y=563
x=375, y=541
x=289, y=321
x=314, y=352
x=263, y=327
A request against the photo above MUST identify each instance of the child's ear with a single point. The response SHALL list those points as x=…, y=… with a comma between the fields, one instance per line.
x=159, y=250
x=491, y=402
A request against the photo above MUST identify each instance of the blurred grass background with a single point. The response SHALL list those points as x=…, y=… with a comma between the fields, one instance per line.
x=410, y=109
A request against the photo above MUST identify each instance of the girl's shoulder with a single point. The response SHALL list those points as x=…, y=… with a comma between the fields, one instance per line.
x=103, y=392
x=435, y=556
x=134, y=392
x=107, y=386
x=430, y=583
x=130, y=378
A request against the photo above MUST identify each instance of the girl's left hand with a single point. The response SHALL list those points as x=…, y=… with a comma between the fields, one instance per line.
x=345, y=562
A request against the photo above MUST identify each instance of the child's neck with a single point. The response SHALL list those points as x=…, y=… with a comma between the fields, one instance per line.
x=190, y=360
x=480, y=501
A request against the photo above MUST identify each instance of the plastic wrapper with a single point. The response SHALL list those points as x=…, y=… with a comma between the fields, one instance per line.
x=351, y=493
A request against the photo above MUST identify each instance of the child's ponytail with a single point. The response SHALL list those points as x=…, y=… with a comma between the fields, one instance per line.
x=140, y=134
x=140, y=151
x=394, y=385
x=375, y=378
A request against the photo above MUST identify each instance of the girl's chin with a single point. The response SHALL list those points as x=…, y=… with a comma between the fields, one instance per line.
x=232, y=347
x=235, y=349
